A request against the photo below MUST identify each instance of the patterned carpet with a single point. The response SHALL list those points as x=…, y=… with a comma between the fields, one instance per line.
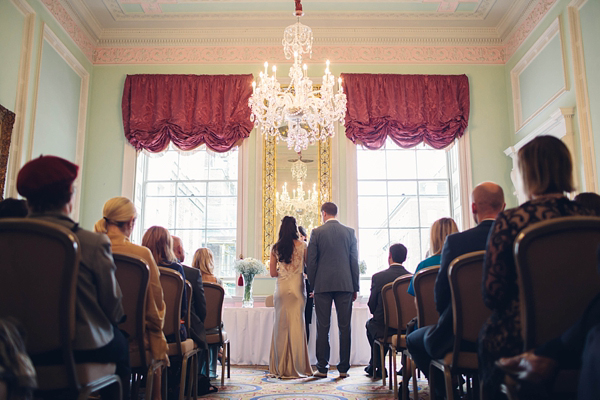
x=252, y=382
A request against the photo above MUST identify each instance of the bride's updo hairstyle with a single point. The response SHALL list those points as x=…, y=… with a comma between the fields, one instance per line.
x=285, y=245
x=117, y=211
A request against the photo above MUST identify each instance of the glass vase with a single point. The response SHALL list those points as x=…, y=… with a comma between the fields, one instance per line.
x=248, y=300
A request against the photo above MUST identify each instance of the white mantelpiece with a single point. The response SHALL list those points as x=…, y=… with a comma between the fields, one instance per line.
x=560, y=125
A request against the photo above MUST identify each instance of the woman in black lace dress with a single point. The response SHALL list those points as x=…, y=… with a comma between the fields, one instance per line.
x=546, y=168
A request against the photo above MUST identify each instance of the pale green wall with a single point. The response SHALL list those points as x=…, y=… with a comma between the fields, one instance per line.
x=567, y=99
x=57, y=111
x=105, y=140
x=542, y=78
x=11, y=32
x=590, y=29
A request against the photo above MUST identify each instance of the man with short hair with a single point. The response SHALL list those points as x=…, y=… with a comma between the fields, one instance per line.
x=47, y=184
x=332, y=265
x=435, y=341
x=376, y=325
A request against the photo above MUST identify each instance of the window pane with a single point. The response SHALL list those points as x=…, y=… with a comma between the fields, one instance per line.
x=221, y=212
x=369, y=188
x=192, y=240
x=191, y=212
x=433, y=208
x=371, y=164
x=191, y=189
x=401, y=188
x=404, y=211
x=433, y=188
x=160, y=189
x=159, y=211
x=222, y=244
x=164, y=167
x=193, y=166
x=222, y=189
x=432, y=164
x=372, y=212
x=373, y=249
x=401, y=164
x=223, y=167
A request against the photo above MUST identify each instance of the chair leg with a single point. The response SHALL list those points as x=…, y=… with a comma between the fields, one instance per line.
x=149, y=384
x=406, y=361
x=164, y=382
x=373, y=358
x=393, y=355
x=431, y=382
x=223, y=365
x=382, y=358
x=228, y=360
x=390, y=368
x=448, y=381
x=413, y=370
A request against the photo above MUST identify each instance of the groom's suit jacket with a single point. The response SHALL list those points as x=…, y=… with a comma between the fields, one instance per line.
x=332, y=261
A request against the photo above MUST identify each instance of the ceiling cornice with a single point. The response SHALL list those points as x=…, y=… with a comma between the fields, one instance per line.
x=404, y=44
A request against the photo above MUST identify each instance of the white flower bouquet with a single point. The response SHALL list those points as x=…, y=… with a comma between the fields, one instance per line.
x=249, y=267
x=362, y=267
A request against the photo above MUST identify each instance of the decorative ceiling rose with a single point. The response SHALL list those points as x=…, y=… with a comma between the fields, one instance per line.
x=297, y=114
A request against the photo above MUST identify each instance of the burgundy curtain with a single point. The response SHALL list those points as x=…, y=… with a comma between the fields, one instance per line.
x=188, y=110
x=409, y=109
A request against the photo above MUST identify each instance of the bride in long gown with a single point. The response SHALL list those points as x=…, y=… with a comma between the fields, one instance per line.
x=289, y=351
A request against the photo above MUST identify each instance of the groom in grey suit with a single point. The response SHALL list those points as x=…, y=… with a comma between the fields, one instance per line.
x=332, y=265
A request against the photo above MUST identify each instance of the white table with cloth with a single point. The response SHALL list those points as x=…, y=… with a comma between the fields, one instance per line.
x=250, y=329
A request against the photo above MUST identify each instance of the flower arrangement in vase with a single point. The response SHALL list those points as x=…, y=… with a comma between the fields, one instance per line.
x=249, y=267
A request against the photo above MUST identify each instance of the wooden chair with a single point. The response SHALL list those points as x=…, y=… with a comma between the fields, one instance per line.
x=172, y=284
x=556, y=264
x=133, y=276
x=424, y=285
x=193, y=386
x=215, y=334
x=390, y=316
x=40, y=264
x=405, y=307
x=469, y=314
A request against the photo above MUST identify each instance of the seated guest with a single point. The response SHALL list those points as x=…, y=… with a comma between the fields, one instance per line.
x=118, y=219
x=47, y=184
x=376, y=325
x=434, y=341
x=198, y=311
x=589, y=200
x=546, y=168
x=205, y=262
x=160, y=243
x=13, y=208
x=437, y=235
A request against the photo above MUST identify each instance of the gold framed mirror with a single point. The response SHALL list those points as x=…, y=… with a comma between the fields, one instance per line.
x=301, y=176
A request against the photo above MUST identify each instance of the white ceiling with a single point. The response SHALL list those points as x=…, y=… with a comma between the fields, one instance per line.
x=334, y=22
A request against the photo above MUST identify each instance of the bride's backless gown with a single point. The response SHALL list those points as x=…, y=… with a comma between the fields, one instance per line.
x=289, y=352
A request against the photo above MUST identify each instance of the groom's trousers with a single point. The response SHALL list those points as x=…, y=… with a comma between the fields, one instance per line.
x=343, y=307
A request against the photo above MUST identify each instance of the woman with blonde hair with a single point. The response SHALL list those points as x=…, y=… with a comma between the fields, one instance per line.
x=118, y=219
x=205, y=262
x=437, y=236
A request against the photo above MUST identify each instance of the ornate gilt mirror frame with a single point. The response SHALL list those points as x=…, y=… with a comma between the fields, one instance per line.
x=270, y=225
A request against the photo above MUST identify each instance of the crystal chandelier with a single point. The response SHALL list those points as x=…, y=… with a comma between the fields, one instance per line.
x=301, y=205
x=297, y=114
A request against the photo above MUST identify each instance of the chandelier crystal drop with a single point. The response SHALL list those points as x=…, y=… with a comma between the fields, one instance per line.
x=297, y=114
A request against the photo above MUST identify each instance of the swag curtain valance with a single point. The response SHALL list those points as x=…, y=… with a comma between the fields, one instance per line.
x=410, y=109
x=188, y=110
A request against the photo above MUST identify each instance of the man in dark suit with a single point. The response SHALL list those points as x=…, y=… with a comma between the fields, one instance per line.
x=376, y=325
x=332, y=265
x=434, y=341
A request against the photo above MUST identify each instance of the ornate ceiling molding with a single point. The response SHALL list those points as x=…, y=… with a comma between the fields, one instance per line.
x=357, y=45
x=337, y=54
x=119, y=14
x=527, y=25
x=67, y=21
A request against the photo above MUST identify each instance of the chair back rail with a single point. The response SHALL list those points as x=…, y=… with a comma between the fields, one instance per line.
x=390, y=314
x=188, y=316
x=172, y=284
x=424, y=285
x=215, y=295
x=133, y=275
x=556, y=263
x=405, y=303
x=469, y=311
